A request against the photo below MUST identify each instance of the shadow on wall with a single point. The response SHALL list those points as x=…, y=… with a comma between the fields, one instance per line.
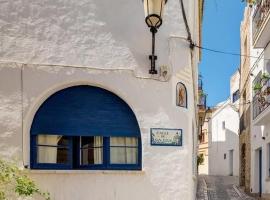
x=221, y=162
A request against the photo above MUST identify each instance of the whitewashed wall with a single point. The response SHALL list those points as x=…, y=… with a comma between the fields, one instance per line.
x=221, y=141
x=258, y=132
x=60, y=43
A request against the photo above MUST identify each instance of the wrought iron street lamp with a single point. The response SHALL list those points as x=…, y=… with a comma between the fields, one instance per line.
x=153, y=10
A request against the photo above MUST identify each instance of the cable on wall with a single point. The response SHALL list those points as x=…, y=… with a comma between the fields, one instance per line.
x=189, y=38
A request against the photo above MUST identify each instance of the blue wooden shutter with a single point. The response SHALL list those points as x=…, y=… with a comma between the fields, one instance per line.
x=85, y=111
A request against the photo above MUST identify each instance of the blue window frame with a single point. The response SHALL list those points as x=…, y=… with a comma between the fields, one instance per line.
x=60, y=156
x=85, y=127
x=77, y=154
x=236, y=96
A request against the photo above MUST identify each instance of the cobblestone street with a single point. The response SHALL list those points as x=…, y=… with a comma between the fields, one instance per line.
x=220, y=188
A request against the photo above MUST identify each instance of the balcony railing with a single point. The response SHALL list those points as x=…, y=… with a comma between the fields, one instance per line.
x=261, y=97
x=200, y=84
x=202, y=101
x=261, y=13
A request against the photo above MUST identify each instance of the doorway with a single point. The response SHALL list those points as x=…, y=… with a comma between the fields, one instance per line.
x=260, y=171
x=231, y=162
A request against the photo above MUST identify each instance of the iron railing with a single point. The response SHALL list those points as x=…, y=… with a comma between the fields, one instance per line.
x=202, y=101
x=261, y=99
x=260, y=15
x=200, y=84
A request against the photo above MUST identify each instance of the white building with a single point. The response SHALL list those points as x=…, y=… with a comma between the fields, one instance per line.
x=78, y=106
x=223, y=138
x=260, y=123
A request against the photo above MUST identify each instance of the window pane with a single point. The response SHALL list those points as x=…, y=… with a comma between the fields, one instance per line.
x=56, y=155
x=132, y=155
x=123, y=141
x=123, y=155
x=117, y=141
x=91, y=141
x=91, y=156
x=118, y=155
x=52, y=140
x=131, y=141
x=91, y=150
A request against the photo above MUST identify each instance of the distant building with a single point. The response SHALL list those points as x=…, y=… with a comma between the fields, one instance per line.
x=223, y=136
x=203, y=148
x=203, y=129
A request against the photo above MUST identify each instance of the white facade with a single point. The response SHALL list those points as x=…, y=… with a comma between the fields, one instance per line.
x=223, y=135
x=260, y=124
x=50, y=45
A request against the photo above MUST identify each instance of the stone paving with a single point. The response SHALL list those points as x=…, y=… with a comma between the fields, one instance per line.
x=220, y=188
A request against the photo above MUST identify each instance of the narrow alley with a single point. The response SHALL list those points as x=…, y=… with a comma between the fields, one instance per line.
x=220, y=188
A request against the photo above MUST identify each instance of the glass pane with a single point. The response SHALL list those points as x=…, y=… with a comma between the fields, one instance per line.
x=118, y=155
x=123, y=155
x=123, y=141
x=132, y=155
x=131, y=141
x=53, y=140
x=54, y=155
x=91, y=141
x=91, y=156
x=117, y=141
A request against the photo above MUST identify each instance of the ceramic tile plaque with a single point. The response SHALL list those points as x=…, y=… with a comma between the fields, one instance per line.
x=166, y=137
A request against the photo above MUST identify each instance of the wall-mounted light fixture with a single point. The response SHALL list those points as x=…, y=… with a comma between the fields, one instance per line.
x=153, y=10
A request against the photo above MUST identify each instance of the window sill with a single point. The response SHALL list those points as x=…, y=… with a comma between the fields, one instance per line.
x=109, y=172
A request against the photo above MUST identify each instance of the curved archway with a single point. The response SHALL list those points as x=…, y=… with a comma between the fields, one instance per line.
x=79, y=112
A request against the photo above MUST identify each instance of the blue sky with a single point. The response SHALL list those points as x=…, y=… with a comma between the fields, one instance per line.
x=221, y=31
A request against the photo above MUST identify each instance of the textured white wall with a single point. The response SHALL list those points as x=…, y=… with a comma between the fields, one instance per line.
x=221, y=141
x=167, y=171
x=257, y=132
x=99, y=34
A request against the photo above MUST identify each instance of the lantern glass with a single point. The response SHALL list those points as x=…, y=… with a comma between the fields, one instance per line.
x=153, y=10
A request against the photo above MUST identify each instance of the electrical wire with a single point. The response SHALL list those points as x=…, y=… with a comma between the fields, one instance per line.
x=192, y=45
x=220, y=51
x=228, y=53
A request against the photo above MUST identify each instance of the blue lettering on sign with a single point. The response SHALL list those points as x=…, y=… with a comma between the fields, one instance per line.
x=166, y=137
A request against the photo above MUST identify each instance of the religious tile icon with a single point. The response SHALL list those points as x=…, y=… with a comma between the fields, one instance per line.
x=181, y=95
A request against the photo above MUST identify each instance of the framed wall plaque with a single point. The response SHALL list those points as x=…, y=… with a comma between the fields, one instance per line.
x=166, y=137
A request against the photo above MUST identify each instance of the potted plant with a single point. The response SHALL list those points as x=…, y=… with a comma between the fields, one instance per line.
x=250, y=2
x=264, y=78
x=265, y=86
x=257, y=87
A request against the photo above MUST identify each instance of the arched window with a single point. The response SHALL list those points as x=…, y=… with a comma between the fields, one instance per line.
x=181, y=95
x=84, y=127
